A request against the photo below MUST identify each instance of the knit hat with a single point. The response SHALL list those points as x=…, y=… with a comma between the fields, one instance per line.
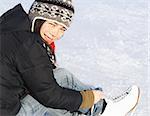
x=59, y=11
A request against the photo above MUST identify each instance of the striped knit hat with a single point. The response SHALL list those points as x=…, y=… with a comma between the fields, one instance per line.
x=59, y=11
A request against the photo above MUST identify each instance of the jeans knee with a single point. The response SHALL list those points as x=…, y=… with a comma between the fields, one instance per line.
x=62, y=72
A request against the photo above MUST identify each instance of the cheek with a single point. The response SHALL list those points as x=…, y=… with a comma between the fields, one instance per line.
x=43, y=31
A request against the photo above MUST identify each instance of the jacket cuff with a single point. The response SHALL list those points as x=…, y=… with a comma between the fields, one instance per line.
x=87, y=99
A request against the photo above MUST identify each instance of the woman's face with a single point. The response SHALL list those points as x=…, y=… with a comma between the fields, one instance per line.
x=51, y=31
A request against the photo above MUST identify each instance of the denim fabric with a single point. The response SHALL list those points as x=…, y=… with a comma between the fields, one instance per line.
x=31, y=107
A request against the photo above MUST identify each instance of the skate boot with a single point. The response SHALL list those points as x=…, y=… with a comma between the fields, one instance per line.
x=123, y=104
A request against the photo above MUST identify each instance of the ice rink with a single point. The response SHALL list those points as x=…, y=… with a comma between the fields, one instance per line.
x=106, y=45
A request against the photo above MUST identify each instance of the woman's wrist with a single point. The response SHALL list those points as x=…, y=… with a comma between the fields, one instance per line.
x=87, y=99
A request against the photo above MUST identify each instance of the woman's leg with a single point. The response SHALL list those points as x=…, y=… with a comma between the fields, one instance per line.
x=66, y=79
x=31, y=107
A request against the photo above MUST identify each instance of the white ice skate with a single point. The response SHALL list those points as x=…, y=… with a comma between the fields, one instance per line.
x=122, y=105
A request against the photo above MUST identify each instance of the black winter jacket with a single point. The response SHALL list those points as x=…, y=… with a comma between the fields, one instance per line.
x=24, y=65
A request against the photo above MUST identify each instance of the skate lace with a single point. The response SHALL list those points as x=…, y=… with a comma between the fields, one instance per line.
x=121, y=96
x=114, y=99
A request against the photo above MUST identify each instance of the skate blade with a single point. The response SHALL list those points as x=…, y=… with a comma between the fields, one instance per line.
x=134, y=107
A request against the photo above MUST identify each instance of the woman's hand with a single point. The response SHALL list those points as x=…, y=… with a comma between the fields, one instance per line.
x=98, y=95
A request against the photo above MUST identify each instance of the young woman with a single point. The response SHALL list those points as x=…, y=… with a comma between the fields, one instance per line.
x=31, y=83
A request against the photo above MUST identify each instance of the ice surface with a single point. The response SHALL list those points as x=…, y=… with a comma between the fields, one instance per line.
x=106, y=45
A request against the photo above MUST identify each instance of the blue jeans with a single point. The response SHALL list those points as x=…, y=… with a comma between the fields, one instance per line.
x=31, y=107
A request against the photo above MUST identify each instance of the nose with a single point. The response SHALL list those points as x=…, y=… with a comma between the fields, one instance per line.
x=55, y=31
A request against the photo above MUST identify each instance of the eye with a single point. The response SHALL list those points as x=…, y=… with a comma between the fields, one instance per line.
x=52, y=24
x=63, y=29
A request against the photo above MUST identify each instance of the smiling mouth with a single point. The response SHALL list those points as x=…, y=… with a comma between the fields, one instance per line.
x=47, y=37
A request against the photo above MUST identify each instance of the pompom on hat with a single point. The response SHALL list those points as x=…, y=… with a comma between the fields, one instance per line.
x=59, y=11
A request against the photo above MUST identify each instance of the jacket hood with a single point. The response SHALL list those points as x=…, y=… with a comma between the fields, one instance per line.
x=15, y=19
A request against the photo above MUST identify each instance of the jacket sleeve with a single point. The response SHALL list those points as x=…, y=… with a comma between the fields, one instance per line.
x=36, y=71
